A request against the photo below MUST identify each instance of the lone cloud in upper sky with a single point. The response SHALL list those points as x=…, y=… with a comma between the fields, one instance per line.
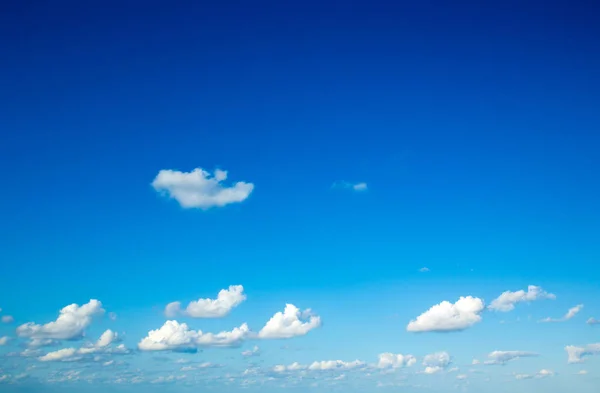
x=198, y=189
x=351, y=186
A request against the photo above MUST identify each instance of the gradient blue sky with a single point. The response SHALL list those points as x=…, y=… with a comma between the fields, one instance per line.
x=475, y=128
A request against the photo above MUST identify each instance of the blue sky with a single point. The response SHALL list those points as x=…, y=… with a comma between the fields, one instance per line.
x=318, y=155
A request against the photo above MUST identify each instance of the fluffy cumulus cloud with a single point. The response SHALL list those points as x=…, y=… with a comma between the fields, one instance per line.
x=576, y=354
x=200, y=189
x=447, y=317
x=392, y=360
x=570, y=314
x=175, y=336
x=226, y=300
x=290, y=323
x=507, y=300
x=502, y=357
x=70, y=324
x=107, y=338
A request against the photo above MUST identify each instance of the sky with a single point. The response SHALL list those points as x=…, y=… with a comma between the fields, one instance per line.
x=299, y=196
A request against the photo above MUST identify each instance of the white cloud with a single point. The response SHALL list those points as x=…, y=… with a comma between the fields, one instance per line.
x=226, y=300
x=255, y=351
x=507, y=300
x=7, y=319
x=60, y=355
x=432, y=369
x=438, y=359
x=593, y=321
x=582, y=372
x=4, y=340
x=361, y=186
x=70, y=324
x=462, y=376
x=502, y=357
x=424, y=270
x=177, y=336
x=290, y=323
x=200, y=189
x=391, y=360
x=112, y=316
x=475, y=362
x=576, y=354
x=446, y=316
x=41, y=342
x=335, y=365
x=570, y=314
x=323, y=365
x=107, y=338
x=540, y=374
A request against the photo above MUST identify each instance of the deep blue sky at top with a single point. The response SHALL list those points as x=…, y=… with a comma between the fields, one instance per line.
x=475, y=126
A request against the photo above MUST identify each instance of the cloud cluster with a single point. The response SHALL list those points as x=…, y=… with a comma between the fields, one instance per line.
x=507, y=300
x=70, y=324
x=175, y=336
x=576, y=354
x=220, y=307
x=323, y=365
x=102, y=346
x=447, y=317
x=392, y=360
x=200, y=189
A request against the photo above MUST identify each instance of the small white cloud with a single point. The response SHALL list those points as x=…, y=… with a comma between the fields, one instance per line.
x=175, y=336
x=226, y=300
x=447, y=317
x=4, y=340
x=200, y=189
x=576, y=354
x=251, y=352
x=475, y=362
x=540, y=374
x=60, y=355
x=593, y=321
x=438, y=359
x=112, y=316
x=570, y=314
x=70, y=324
x=462, y=376
x=582, y=372
x=107, y=338
x=432, y=370
x=361, y=186
x=392, y=360
x=424, y=270
x=335, y=365
x=507, y=300
x=7, y=319
x=290, y=323
x=502, y=357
